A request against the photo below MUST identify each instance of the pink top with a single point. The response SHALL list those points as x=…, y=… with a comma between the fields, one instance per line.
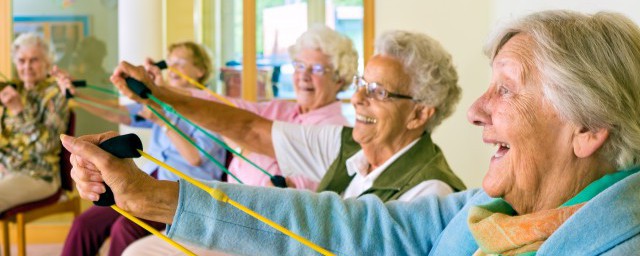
x=279, y=110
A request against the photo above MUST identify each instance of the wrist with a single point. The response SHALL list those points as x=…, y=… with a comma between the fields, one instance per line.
x=168, y=126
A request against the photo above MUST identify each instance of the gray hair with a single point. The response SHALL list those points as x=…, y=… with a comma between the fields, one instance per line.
x=434, y=80
x=339, y=48
x=590, y=72
x=32, y=40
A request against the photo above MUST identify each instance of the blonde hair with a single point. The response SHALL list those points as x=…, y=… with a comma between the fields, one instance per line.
x=200, y=58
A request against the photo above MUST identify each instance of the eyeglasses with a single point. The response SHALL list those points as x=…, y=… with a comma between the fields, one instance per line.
x=376, y=90
x=177, y=62
x=316, y=69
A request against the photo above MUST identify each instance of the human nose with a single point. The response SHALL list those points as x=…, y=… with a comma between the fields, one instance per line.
x=359, y=97
x=28, y=64
x=479, y=113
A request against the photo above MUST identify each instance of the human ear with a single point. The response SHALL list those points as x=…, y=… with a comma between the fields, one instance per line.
x=420, y=115
x=586, y=142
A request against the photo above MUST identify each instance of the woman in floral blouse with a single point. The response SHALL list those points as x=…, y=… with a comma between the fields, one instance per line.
x=33, y=114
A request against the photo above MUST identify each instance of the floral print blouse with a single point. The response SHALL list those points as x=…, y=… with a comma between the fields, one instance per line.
x=29, y=141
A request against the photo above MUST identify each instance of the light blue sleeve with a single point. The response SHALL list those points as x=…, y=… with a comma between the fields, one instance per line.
x=363, y=226
x=207, y=144
x=136, y=120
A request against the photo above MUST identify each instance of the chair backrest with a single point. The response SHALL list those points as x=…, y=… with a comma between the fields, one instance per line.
x=65, y=162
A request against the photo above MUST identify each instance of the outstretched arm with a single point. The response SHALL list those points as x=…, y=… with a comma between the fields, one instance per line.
x=363, y=226
x=245, y=128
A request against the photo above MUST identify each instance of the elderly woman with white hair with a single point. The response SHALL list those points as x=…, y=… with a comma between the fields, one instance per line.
x=562, y=107
x=324, y=63
x=409, y=87
x=34, y=114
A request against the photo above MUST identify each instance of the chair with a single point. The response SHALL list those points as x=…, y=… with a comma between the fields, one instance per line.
x=61, y=202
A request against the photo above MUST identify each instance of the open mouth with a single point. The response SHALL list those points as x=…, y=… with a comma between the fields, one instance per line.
x=366, y=119
x=503, y=149
x=306, y=89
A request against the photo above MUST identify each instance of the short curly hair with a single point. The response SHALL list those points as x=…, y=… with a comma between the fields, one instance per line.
x=339, y=48
x=434, y=80
x=31, y=40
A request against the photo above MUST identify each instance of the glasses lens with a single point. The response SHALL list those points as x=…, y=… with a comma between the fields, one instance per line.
x=299, y=66
x=379, y=92
x=179, y=62
x=317, y=69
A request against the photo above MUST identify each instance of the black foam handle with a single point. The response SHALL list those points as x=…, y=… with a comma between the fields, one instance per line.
x=279, y=181
x=123, y=146
x=5, y=84
x=138, y=87
x=138, y=118
x=67, y=94
x=161, y=64
x=79, y=83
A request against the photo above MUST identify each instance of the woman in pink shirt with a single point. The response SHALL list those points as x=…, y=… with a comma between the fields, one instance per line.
x=324, y=62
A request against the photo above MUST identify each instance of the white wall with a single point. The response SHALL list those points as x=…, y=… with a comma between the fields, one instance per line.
x=140, y=37
x=462, y=31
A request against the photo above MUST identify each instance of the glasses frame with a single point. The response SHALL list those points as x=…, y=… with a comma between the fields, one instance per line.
x=370, y=90
x=316, y=69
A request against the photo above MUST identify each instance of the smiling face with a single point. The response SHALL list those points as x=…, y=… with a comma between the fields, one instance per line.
x=31, y=64
x=314, y=91
x=181, y=58
x=534, y=145
x=381, y=123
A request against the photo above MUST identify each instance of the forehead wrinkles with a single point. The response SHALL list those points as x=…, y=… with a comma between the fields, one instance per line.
x=519, y=50
x=387, y=71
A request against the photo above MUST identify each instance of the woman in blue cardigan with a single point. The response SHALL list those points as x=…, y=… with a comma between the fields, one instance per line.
x=562, y=109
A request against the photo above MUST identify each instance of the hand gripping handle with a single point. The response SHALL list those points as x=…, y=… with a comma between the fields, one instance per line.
x=123, y=146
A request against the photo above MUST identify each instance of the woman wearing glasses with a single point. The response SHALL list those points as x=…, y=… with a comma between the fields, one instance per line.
x=324, y=63
x=408, y=88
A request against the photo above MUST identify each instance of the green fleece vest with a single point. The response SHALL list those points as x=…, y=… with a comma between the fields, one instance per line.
x=424, y=161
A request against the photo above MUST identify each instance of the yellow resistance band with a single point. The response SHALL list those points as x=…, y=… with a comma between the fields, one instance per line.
x=152, y=230
x=199, y=85
x=222, y=197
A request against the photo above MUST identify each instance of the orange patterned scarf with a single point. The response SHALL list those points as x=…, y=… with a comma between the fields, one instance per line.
x=497, y=232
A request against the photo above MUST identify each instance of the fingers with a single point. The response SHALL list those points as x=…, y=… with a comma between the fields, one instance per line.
x=63, y=79
x=149, y=61
x=86, y=150
x=98, y=138
x=124, y=70
x=146, y=114
x=89, y=183
x=90, y=163
x=10, y=98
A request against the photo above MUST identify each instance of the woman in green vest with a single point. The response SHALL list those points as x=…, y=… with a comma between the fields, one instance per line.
x=562, y=107
x=408, y=88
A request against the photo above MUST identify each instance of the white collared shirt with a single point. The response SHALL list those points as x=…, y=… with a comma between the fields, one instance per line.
x=358, y=165
x=309, y=151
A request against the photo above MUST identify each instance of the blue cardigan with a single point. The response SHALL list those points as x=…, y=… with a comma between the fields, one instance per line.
x=608, y=224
